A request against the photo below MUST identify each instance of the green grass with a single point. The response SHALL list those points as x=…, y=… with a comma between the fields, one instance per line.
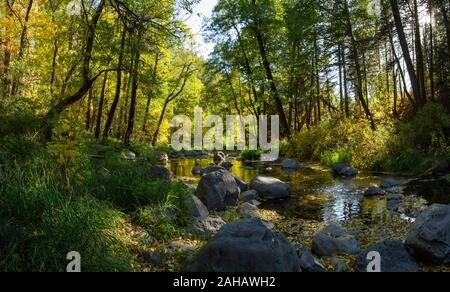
x=45, y=213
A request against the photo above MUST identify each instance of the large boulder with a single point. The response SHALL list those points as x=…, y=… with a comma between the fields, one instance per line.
x=393, y=255
x=344, y=170
x=289, y=164
x=246, y=246
x=218, y=190
x=333, y=240
x=270, y=188
x=429, y=237
x=160, y=172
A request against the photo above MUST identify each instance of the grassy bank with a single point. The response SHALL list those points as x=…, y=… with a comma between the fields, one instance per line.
x=401, y=146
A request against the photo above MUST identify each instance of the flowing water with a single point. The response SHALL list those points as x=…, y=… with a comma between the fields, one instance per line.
x=316, y=194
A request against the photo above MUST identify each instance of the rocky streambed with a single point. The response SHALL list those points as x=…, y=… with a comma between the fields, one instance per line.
x=290, y=216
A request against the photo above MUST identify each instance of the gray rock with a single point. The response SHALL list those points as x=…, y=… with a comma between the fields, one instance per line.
x=289, y=164
x=128, y=155
x=197, y=170
x=207, y=226
x=270, y=188
x=245, y=246
x=241, y=184
x=219, y=158
x=179, y=247
x=250, y=196
x=429, y=237
x=309, y=264
x=339, y=265
x=393, y=197
x=211, y=169
x=394, y=258
x=374, y=192
x=160, y=172
x=161, y=158
x=390, y=183
x=440, y=166
x=153, y=258
x=344, y=170
x=218, y=190
x=248, y=210
x=227, y=165
x=333, y=240
x=197, y=209
x=269, y=225
x=393, y=205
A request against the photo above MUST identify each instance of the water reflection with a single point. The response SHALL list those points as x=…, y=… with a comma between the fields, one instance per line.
x=317, y=195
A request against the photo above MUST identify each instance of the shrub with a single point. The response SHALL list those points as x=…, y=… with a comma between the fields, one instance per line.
x=251, y=155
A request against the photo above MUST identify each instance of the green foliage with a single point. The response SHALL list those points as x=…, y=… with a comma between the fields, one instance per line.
x=55, y=219
x=128, y=186
x=409, y=146
x=331, y=157
x=251, y=154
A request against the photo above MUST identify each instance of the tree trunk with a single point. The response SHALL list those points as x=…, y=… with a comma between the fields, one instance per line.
x=56, y=110
x=116, y=100
x=152, y=83
x=100, y=108
x=406, y=55
x=88, y=110
x=134, y=87
x=419, y=55
x=359, y=83
x=23, y=40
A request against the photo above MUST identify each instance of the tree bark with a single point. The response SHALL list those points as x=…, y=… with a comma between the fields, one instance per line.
x=116, y=100
x=406, y=54
x=23, y=40
x=100, y=108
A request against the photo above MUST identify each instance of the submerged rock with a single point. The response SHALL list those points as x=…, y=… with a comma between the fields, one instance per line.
x=429, y=237
x=393, y=255
x=218, y=190
x=374, y=192
x=270, y=188
x=333, y=240
x=245, y=246
x=344, y=170
x=289, y=164
x=390, y=183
